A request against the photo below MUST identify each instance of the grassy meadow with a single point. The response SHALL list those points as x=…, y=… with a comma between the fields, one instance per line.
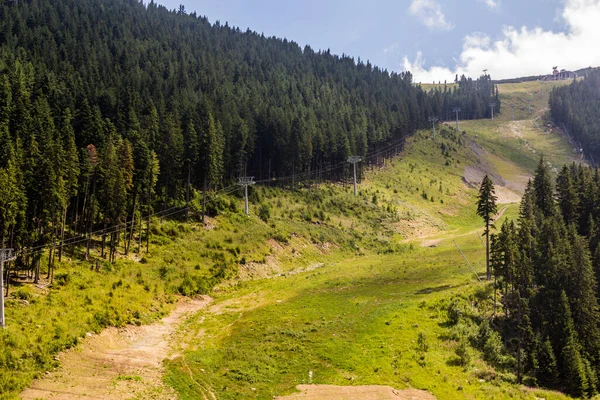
x=360, y=289
x=377, y=320
x=381, y=317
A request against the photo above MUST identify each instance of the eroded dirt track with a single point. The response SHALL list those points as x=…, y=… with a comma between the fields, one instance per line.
x=330, y=392
x=117, y=363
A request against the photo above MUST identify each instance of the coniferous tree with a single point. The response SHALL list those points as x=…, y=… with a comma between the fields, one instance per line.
x=184, y=98
x=12, y=201
x=547, y=365
x=566, y=194
x=486, y=209
x=581, y=287
x=527, y=243
x=575, y=106
x=215, y=145
x=547, y=265
x=573, y=367
x=544, y=191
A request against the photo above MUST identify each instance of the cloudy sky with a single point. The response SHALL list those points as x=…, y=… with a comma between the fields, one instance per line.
x=434, y=39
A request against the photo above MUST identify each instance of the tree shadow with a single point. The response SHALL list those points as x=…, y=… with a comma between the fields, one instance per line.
x=454, y=362
x=434, y=289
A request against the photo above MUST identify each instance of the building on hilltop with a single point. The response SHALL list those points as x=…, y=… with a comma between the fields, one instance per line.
x=557, y=75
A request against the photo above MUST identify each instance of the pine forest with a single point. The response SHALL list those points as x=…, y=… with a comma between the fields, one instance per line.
x=109, y=108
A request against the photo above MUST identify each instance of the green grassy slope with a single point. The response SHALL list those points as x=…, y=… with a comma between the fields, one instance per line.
x=358, y=281
x=310, y=227
x=373, y=318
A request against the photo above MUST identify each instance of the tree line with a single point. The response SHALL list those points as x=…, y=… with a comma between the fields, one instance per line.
x=547, y=269
x=110, y=108
x=576, y=107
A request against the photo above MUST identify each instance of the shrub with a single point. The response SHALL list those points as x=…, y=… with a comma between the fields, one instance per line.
x=422, y=344
x=62, y=278
x=264, y=212
x=191, y=285
x=163, y=271
x=456, y=310
x=492, y=348
x=187, y=287
x=282, y=237
x=23, y=293
x=463, y=353
x=222, y=270
x=217, y=204
x=307, y=215
x=233, y=206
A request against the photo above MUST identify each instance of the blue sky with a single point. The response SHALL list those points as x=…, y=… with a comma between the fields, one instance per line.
x=433, y=38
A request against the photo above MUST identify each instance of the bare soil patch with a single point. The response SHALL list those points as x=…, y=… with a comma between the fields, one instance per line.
x=331, y=392
x=431, y=242
x=257, y=270
x=117, y=364
x=275, y=244
x=474, y=174
x=506, y=196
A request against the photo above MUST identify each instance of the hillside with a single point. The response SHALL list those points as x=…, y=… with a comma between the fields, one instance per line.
x=574, y=108
x=112, y=111
x=358, y=289
x=123, y=130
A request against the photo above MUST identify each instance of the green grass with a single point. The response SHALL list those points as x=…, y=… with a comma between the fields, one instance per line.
x=304, y=229
x=376, y=318
x=351, y=323
x=354, y=318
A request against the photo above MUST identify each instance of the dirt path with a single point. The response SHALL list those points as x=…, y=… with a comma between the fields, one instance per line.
x=428, y=241
x=117, y=363
x=330, y=392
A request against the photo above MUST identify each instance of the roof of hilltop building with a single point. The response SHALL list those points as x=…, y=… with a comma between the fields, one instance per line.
x=559, y=75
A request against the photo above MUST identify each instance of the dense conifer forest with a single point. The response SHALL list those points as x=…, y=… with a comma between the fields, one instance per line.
x=576, y=107
x=108, y=108
x=547, y=269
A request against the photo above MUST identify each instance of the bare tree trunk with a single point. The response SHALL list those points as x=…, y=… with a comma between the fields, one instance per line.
x=50, y=255
x=519, y=346
x=148, y=233
x=203, y=202
x=62, y=235
x=83, y=214
x=75, y=215
x=110, y=247
x=90, y=222
x=103, y=240
x=113, y=247
x=139, y=250
x=187, y=194
x=165, y=199
x=36, y=278
x=132, y=223
x=89, y=239
x=52, y=260
x=487, y=251
x=7, y=280
x=294, y=176
x=115, y=243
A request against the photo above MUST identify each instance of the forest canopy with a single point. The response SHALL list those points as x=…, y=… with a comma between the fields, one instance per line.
x=575, y=107
x=547, y=267
x=108, y=107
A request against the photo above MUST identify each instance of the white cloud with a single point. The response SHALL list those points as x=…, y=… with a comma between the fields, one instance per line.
x=392, y=49
x=524, y=51
x=476, y=39
x=493, y=4
x=430, y=13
